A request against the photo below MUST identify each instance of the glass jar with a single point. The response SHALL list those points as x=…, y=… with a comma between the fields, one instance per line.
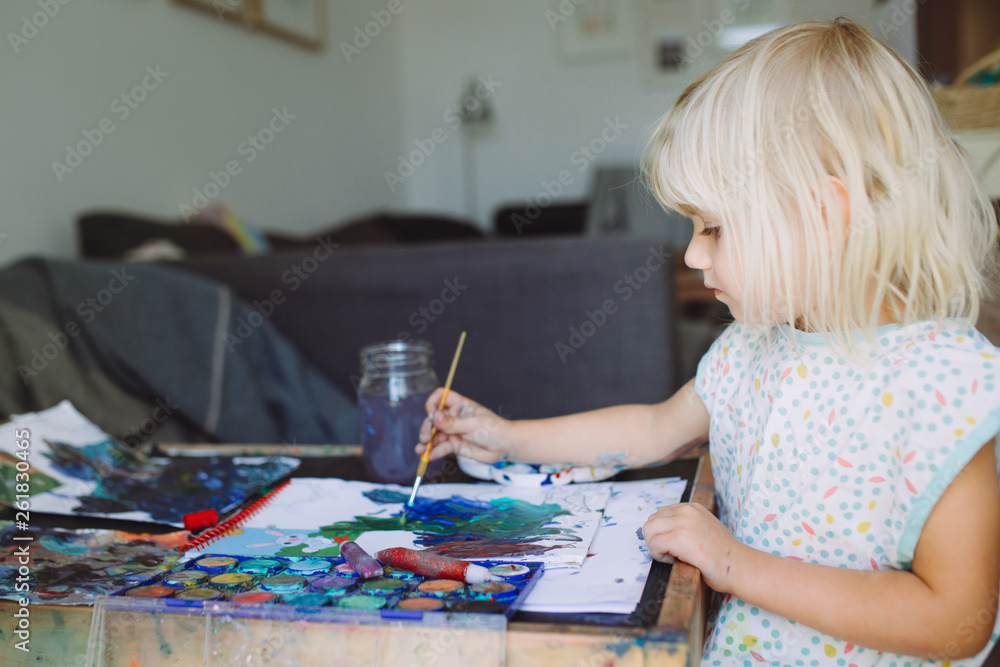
x=396, y=379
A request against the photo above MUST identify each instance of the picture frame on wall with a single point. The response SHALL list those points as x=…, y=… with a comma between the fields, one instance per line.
x=301, y=22
x=230, y=11
x=596, y=29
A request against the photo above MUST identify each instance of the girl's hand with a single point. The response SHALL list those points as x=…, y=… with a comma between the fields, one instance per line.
x=465, y=428
x=689, y=532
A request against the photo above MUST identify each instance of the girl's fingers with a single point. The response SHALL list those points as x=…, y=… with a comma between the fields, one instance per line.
x=432, y=401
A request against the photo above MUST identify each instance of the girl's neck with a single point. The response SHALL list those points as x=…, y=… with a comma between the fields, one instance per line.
x=886, y=316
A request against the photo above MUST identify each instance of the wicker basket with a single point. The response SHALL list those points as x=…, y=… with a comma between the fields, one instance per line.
x=967, y=107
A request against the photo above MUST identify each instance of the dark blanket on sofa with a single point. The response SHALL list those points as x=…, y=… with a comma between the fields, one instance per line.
x=135, y=346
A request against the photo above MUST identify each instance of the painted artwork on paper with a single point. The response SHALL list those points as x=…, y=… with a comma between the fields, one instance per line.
x=245, y=541
x=76, y=469
x=473, y=521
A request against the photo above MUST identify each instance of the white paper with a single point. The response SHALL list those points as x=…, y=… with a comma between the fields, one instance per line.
x=613, y=578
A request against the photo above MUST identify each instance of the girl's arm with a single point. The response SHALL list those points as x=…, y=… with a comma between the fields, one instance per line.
x=630, y=435
x=944, y=608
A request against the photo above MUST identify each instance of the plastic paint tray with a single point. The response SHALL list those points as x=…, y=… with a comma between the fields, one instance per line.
x=136, y=630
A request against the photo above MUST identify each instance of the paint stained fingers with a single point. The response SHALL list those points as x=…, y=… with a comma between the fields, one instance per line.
x=425, y=429
x=657, y=533
x=431, y=404
x=691, y=533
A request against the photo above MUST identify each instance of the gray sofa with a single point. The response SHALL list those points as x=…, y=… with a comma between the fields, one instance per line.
x=555, y=325
x=168, y=351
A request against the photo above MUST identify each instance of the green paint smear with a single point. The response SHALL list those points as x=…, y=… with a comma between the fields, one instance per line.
x=465, y=527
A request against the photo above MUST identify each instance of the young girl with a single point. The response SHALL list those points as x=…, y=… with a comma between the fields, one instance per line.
x=852, y=408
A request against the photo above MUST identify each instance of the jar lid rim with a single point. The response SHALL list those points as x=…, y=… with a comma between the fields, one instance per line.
x=397, y=346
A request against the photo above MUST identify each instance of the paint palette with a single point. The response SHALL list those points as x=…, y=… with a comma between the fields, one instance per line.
x=222, y=609
x=531, y=475
x=310, y=584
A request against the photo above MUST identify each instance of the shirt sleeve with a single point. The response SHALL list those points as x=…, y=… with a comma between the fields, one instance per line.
x=713, y=365
x=947, y=397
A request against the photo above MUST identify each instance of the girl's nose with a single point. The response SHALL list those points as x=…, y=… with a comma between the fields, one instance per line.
x=695, y=256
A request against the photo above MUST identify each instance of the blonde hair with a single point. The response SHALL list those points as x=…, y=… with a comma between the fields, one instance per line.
x=761, y=142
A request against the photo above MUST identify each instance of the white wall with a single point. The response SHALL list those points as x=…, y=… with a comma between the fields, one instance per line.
x=353, y=120
x=547, y=105
x=222, y=86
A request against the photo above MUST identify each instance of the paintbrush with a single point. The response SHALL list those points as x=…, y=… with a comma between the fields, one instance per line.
x=436, y=565
x=422, y=468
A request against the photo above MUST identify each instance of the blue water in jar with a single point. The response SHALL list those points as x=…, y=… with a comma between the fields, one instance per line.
x=397, y=379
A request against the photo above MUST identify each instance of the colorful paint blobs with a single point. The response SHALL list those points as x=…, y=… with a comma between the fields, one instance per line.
x=464, y=527
x=75, y=567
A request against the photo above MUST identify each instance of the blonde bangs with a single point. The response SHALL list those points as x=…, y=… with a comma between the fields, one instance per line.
x=685, y=159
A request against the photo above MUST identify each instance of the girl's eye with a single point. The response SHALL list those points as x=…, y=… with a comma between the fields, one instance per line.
x=711, y=231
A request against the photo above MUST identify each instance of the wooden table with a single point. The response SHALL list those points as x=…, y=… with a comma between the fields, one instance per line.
x=673, y=638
